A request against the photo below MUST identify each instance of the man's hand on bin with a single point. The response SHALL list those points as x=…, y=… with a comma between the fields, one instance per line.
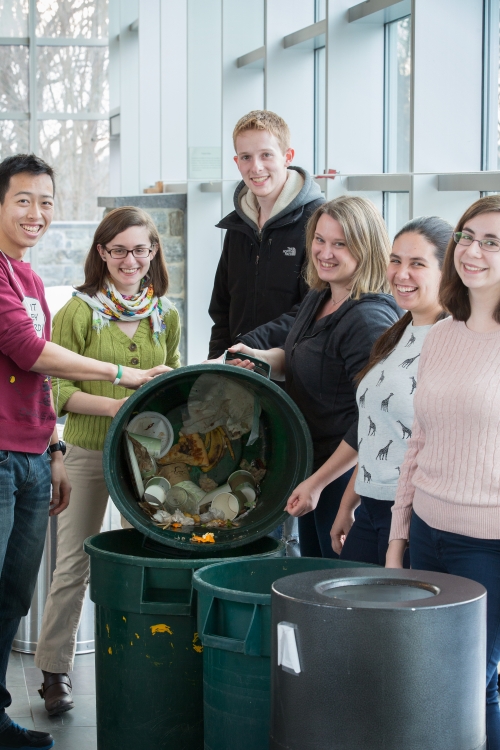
x=133, y=379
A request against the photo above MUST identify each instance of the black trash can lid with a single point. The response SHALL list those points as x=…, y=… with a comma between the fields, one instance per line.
x=355, y=588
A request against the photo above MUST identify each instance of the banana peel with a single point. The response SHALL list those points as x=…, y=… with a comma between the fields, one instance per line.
x=215, y=445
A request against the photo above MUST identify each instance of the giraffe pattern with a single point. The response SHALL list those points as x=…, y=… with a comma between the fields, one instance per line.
x=382, y=454
x=388, y=392
x=408, y=362
x=406, y=430
x=372, y=429
x=367, y=477
x=385, y=403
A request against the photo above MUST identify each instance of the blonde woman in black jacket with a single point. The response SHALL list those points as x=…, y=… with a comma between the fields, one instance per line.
x=343, y=314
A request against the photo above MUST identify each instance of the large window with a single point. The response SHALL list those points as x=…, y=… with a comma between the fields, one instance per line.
x=320, y=95
x=397, y=117
x=498, y=131
x=54, y=97
x=397, y=95
x=319, y=110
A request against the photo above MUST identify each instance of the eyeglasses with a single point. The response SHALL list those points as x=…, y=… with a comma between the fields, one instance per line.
x=122, y=252
x=462, y=238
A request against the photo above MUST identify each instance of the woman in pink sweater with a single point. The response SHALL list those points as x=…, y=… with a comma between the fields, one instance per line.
x=448, y=498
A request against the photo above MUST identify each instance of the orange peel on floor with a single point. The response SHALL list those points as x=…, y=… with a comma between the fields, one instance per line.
x=207, y=538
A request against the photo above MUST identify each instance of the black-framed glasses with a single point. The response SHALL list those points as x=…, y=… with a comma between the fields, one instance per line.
x=122, y=252
x=465, y=239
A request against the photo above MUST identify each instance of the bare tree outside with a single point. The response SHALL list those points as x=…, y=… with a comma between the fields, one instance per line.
x=69, y=80
x=70, y=18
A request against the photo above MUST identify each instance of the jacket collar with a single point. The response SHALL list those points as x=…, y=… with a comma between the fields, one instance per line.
x=293, y=211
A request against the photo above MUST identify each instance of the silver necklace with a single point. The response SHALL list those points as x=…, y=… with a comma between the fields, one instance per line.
x=341, y=300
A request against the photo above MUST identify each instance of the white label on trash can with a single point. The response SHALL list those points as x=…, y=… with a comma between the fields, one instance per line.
x=288, y=655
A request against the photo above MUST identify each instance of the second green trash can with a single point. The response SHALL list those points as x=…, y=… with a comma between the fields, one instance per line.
x=148, y=653
x=234, y=624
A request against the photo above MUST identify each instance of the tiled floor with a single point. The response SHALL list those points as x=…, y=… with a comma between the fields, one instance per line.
x=73, y=730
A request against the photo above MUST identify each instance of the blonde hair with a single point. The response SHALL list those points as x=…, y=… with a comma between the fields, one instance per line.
x=264, y=119
x=367, y=241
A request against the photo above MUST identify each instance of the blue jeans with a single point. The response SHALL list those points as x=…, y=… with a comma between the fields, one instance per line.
x=314, y=527
x=24, y=513
x=368, y=538
x=479, y=560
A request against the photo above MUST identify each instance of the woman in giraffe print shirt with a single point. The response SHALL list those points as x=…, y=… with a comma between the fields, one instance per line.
x=385, y=392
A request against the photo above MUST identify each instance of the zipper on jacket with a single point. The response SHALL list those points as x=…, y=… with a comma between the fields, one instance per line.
x=303, y=338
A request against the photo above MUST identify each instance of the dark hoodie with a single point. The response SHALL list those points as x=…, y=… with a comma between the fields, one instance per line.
x=324, y=356
x=259, y=276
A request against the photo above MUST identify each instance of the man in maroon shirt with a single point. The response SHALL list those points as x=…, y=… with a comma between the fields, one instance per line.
x=31, y=455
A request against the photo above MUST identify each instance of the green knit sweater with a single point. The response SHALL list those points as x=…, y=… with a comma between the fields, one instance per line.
x=72, y=329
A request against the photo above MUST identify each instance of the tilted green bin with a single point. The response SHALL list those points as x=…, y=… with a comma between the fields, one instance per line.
x=284, y=437
x=148, y=653
x=234, y=624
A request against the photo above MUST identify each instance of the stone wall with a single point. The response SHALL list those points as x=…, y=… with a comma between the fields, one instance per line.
x=61, y=252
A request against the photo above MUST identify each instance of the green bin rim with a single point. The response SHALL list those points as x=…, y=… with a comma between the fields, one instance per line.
x=181, y=540
x=156, y=562
x=248, y=597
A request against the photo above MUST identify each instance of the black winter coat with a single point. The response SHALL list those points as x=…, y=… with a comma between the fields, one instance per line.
x=259, y=276
x=323, y=358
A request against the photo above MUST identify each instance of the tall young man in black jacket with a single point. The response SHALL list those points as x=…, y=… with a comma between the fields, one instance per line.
x=259, y=276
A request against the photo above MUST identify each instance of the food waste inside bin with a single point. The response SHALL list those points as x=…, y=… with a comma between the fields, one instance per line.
x=203, y=458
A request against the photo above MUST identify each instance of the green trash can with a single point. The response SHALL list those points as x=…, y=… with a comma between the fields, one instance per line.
x=234, y=624
x=149, y=663
x=148, y=653
x=284, y=439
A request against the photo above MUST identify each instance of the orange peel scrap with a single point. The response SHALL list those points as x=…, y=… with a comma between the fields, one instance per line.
x=207, y=538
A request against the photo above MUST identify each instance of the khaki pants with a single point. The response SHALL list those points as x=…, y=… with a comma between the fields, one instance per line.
x=83, y=517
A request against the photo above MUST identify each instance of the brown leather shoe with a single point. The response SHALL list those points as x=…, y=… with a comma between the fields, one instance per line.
x=56, y=692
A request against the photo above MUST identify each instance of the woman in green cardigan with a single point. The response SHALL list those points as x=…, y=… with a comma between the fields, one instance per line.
x=120, y=315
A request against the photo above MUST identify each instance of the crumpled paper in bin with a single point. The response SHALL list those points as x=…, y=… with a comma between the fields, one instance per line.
x=216, y=401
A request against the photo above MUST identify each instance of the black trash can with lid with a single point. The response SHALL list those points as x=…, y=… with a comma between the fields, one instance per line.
x=148, y=652
x=379, y=660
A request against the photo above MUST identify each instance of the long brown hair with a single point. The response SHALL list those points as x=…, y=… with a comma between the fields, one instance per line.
x=114, y=223
x=366, y=238
x=437, y=232
x=453, y=294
